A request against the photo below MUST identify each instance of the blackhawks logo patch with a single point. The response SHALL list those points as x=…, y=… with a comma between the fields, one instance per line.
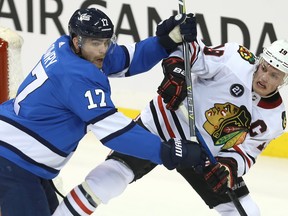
x=246, y=54
x=227, y=124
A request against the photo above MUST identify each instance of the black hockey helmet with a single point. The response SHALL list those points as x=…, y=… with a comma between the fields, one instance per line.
x=90, y=22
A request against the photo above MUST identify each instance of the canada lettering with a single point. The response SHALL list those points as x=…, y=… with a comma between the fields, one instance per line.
x=126, y=13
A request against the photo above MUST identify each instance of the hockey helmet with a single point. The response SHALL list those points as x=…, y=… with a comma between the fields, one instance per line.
x=277, y=55
x=90, y=22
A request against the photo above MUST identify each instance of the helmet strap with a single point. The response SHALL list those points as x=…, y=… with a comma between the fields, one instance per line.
x=80, y=41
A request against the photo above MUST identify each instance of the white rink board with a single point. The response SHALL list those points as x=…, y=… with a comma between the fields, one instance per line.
x=38, y=30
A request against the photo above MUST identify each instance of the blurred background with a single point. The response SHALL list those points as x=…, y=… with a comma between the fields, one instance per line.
x=255, y=24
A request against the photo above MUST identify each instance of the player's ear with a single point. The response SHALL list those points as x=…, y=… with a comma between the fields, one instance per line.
x=75, y=42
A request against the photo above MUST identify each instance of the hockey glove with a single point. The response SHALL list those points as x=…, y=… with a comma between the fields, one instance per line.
x=182, y=153
x=189, y=29
x=168, y=32
x=222, y=175
x=173, y=88
x=171, y=30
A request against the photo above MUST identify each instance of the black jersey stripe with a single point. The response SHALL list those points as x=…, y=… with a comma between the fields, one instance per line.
x=118, y=133
x=11, y=148
x=87, y=196
x=156, y=121
x=34, y=135
x=70, y=207
x=178, y=125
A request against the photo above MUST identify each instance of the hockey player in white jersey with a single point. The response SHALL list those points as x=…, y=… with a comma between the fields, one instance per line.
x=66, y=95
x=238, y=111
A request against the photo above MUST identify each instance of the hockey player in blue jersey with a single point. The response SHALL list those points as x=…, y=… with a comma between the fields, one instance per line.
x=238, y=110
x=66, y=95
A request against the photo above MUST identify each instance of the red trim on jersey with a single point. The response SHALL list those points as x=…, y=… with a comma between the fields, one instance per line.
x=241, y=152
x=194, y=53
x=163, y=113
x=80, y=203
x=4, y=73
x=270, y=103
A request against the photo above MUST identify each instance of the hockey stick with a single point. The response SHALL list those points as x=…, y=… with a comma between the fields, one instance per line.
x=194, y=133
x=188, y=79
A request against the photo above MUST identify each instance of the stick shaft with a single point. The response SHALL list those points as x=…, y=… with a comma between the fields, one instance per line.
x=188, y=79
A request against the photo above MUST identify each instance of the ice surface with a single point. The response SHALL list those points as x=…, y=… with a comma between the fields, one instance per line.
x=165, y=193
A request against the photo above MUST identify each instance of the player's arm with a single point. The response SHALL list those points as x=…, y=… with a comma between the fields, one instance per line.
x=206, y=63
x=173, y=88
x=142, y=56
x=121, y=134
x=169, y=35
x=91, y=101
x=134, y=59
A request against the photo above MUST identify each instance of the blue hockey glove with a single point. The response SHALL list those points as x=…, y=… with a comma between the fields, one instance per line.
x=168, y=32
x=188, y=28
x=182, y=153
x=171, y=30
x=173, y=88
x=166, y=26
x=222, y=175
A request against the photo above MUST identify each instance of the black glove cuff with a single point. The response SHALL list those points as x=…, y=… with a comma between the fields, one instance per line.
x=166, y=156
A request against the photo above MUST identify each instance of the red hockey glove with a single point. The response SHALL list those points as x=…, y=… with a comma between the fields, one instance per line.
x=222, y=175
x=182, y=153
x=173, y=88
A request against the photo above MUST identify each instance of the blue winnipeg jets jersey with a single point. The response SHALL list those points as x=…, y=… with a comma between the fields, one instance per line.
x=66, y=96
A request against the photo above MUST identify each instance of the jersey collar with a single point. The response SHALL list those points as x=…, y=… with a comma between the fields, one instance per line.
x=267, y=103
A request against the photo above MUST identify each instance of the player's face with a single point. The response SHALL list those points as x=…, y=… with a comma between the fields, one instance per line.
x=267, y=79
x=94, y=50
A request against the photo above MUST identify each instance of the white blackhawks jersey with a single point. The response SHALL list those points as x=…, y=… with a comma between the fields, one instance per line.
x=232, y=119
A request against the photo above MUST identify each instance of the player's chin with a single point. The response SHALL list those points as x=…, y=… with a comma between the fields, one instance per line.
x=259, y=88
x=98, y=63
x=262, y=91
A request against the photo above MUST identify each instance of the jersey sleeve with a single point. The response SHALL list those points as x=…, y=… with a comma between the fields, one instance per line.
x=209, y=62
x=129, y=60
x=90, y=99
x=122, y=134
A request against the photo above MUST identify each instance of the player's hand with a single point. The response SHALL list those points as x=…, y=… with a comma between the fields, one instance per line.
x=173, y=88
x=172, y=30
x=222, y=175
x=168, y=32
x=182, y=153
x=188, y=28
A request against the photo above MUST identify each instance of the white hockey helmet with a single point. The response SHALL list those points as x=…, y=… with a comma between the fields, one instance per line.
x=277, y=55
